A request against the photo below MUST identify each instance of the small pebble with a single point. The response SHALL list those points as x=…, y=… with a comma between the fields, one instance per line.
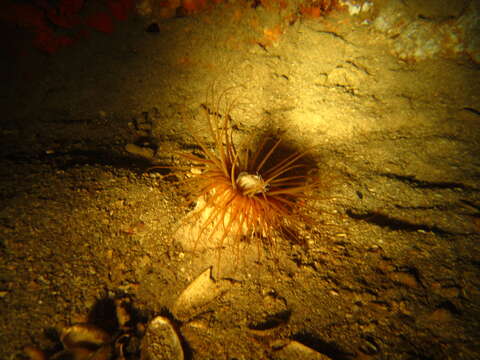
x=144, y=152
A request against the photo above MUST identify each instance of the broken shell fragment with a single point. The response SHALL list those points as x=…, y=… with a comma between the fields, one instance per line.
x=122, y=312
x=63, y=355
x=34, y=353
x=199, y=292
x=161, y=341
x=298, y=351
x=84, y=336
x=105, y=352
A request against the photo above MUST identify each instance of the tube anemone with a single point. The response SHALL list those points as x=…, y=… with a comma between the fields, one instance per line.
x=254, y=190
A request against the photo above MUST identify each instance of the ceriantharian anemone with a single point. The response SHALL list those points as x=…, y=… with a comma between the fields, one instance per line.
x=254, y=191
